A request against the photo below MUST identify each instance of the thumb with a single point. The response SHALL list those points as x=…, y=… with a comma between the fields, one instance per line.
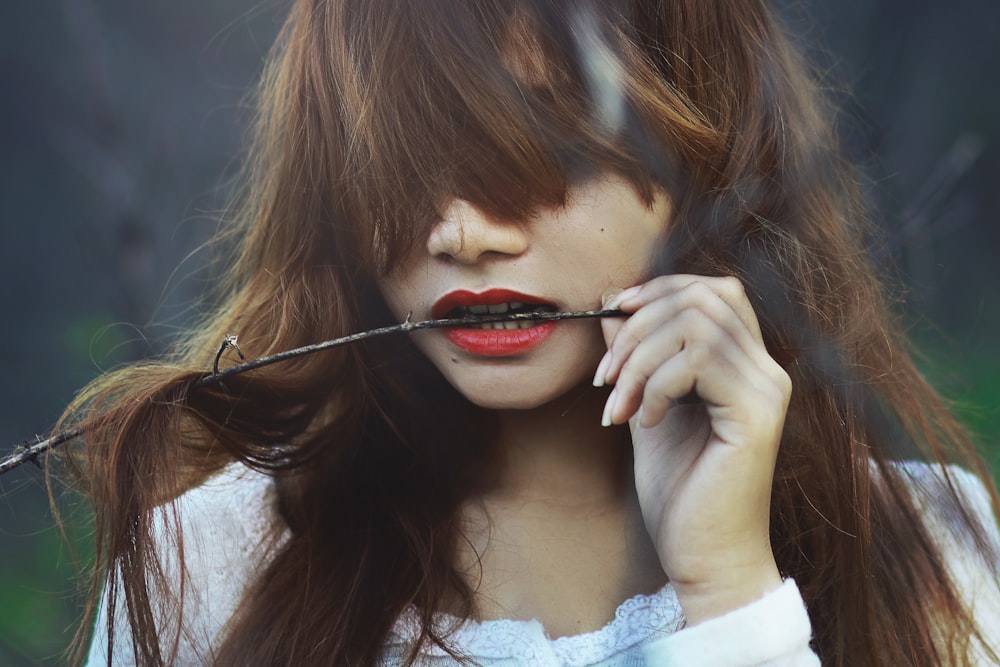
x=609, y=328
x=610, y=325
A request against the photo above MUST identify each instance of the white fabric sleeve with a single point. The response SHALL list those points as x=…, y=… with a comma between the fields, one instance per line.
x=974, y=576
x=773, y=632
x=225, y=525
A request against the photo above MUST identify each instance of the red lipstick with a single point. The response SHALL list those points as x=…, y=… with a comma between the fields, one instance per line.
x=485, y=340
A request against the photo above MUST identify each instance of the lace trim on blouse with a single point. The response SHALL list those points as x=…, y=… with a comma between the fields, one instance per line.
x=637, y=620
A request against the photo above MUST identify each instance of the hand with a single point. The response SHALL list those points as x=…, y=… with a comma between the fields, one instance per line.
x=706, y=405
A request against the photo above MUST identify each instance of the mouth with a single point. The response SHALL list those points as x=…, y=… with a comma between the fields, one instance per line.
x=505, y=308
x=469, y=305
x=495, y=339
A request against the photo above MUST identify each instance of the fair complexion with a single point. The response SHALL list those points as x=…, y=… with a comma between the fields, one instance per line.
x=703, y=469
x=568, y=533
x=565, y=257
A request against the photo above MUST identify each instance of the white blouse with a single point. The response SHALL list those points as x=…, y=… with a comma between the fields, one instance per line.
x=226, y=521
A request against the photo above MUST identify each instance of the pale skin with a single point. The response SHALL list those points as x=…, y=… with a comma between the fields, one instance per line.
x=569, y=531
x=703, y=470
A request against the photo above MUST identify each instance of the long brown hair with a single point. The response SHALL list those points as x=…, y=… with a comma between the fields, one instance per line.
x=373, y=113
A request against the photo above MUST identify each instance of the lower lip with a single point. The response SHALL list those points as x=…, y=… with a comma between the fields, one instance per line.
x=500, y=342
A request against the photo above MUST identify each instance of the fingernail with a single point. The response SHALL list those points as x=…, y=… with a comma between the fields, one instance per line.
x=609, y=295
x=600, y=375
x=621, y=297
x=608, y=407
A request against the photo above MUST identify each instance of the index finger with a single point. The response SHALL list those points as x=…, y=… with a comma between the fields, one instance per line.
x=728, y=288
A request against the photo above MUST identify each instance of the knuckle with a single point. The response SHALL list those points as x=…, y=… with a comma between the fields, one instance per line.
x=633, y=378
x=733, y=286
x=697, y=291
x=699, y=353
x=701, y=329
x=654, y=401
x=693, y=321
x=781, y=382
x=626, y=338
x=784, y=382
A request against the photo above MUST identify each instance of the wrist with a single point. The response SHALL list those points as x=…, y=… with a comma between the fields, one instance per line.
x=727, y=590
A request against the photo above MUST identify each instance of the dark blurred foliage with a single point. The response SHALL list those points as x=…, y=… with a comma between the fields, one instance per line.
x=919, y=85
x=121, y=122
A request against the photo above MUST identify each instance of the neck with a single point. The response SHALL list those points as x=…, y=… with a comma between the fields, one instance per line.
x=559, y=536
x=560, y=455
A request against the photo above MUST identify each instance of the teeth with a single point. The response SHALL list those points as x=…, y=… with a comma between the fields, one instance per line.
x=494, y=308
x=498, y=326
x=501, y=308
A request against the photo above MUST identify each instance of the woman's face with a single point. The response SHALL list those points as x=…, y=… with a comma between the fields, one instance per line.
x=561, y=259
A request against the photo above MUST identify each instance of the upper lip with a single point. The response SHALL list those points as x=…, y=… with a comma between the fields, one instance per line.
x=465, y=298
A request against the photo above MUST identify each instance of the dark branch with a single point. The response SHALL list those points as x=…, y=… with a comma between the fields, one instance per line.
x=30, y=452
x=405, y=327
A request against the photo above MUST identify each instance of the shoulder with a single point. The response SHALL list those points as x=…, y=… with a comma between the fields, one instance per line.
x=957, y=510
x=952, y=500
x=225, y=528
x=210, y=544
x=233, y=511
x=936, y=476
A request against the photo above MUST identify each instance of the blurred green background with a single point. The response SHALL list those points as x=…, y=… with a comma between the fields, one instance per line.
x=122, y=121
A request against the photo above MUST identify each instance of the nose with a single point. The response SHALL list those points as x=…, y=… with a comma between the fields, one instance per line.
x=467, y=235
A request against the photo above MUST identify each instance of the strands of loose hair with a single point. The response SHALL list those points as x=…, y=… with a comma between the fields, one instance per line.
x=372, y=114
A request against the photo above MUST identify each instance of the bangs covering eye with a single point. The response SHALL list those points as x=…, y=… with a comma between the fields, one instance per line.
x=490, y=102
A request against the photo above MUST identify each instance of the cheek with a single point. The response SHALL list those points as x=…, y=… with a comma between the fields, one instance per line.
x=397, y=294
x=626, y=260
x=640, y=252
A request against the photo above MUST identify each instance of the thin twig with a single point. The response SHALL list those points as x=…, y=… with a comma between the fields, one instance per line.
x=29, y=452
x=26, y=452
x=405, y=327
x=228, y=341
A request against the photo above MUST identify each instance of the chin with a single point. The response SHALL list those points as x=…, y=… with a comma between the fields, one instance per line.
x=492, y=399
x=514, y=403
x=514, y=384
x=508, y=395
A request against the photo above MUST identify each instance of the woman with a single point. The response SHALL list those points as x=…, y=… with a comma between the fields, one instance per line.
x=744, y=468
